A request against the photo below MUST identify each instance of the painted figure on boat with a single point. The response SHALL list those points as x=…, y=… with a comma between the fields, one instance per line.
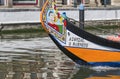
x=56, y=23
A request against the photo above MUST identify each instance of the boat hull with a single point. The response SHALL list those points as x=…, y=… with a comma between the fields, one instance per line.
x=90, y=59
x=82, y=47
x=94, y=55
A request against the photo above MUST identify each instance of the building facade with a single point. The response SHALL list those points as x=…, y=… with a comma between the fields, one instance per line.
x=11, y=3
x=89, y=3
x=115, y=2
x=60, y=3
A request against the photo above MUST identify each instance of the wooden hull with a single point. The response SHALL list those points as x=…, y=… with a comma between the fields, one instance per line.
x=82, y=47
x=90, y=57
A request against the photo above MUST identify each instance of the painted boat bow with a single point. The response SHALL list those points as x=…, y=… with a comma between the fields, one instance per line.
x=81, y=46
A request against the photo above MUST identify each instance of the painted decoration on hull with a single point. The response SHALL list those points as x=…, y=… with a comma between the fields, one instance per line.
x=55, y=22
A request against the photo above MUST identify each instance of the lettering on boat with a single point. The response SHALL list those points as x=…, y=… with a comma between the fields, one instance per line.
x=76, y=39
x=77, y=42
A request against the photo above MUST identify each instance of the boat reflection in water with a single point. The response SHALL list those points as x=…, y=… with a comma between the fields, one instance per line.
x=98, y=73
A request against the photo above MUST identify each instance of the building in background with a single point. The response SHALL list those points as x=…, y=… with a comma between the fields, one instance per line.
x=60, y=3
x=25, y=2
x=88, y=3
x=11, y=3
x=115, y=2
x=1, y=2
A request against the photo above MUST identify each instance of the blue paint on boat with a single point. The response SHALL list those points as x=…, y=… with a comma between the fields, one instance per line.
x=110, y=64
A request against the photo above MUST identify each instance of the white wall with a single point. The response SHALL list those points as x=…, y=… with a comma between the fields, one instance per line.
x=118, y=14
x=19, y=17
x=95, y=14
x=34, y=16
x=100, y=15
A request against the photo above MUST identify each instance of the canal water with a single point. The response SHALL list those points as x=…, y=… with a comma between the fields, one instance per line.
x=29, y=57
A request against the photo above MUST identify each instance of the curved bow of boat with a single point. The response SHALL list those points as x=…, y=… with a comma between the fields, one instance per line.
x=42, y=15
x=81, y=46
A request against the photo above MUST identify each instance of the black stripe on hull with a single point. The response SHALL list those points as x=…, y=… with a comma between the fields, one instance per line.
x=90, y=37
x=69, y=54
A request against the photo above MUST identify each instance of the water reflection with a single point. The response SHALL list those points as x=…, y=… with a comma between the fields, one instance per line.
x=98, y=73
x=39, y=58
x=33, y=58
x=111, y=74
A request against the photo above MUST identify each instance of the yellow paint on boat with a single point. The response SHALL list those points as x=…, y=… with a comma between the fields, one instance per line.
x=91, y=55
x=41, y=16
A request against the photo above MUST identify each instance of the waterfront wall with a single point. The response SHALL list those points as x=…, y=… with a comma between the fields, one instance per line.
x=95, y=14
x=10, y=16
x=32, y=16
x=101, y=16
x=11, y=19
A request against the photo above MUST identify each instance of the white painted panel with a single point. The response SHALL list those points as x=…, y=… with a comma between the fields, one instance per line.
x=24, y=16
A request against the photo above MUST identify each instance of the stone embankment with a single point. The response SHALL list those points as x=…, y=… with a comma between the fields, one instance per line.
x=97, y=16
x=11, y=19
x=30, y=18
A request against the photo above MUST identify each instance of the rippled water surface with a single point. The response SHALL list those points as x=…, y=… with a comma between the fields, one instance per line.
x=39, y=58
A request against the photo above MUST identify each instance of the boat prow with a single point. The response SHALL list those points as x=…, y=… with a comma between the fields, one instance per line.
x=81, y=46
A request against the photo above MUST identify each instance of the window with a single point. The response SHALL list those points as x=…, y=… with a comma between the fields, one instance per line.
x=77, y=2
x=64, y=2
x=108, y=2
x=25, y=2
x=1, y=2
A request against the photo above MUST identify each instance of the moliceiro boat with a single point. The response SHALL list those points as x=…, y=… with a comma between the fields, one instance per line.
x=81, y=46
